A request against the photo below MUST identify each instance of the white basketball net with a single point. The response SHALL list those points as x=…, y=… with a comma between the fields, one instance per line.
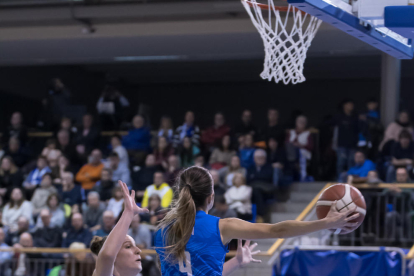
x=286, y=41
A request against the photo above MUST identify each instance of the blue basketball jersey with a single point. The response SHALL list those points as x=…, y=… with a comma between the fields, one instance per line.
x=205, y=250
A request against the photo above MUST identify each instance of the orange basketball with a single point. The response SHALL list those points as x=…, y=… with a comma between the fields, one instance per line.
x=347, y=196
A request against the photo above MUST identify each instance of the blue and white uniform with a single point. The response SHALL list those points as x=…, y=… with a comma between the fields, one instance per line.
x=204, y=250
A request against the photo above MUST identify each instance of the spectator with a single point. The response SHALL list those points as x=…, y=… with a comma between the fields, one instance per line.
x=111, y=106
x=160, y=188
x=140, y=233
x=199, y=161
x=94, y=211
x=273, y=129
x=5, y=256
x=228, y=172
x=65, y=146
x=246, y=150
x=90, y=173
x=10, y=177
x=219, y=187
x=76, y=264
x=137, y=142
x=62, y=167
x=77, y=233
x=173, y=169
x=66, y=124
x=16, y=129
x=143, y=177
x=402, y=155
x=166, y=129
x=17, y=207
x=156, y=212
x=393, y=131
x=87, y=136
x=188, y=129
x=347, y=127
x=116, y=143
x=119, y=171
x=116, y=203
x=35, y=177
x=276, y=156
x=71, y=193
x=47, y=235
x=246, y=126
x=23, y=259
x=360, y=171
x=57, y=215
x=373, y=178
x=221, y=156
x=108, y=223
x=221, y=209
x=238, y=197
x=373, y=128
x=214, y=134
x=51, y=152
x=187, y=153
x=59, y=97
x=105, y=186
x=162, y=152
x=40, y=196
x=19, y=154
x=13, y=236
x=401, y=176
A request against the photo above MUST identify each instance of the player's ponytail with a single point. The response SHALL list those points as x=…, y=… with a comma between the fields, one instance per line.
x=194, y=185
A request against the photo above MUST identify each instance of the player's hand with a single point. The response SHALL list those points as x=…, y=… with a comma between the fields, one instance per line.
x=244, y=253
x=337, y=220
x=129, y=200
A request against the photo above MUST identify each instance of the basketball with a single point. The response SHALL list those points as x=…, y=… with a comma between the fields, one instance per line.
x=347, y=198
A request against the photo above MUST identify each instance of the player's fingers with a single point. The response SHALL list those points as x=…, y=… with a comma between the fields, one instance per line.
x=133, y=195
x=350, y=211
x=144, y=210
x=333, y=205
x=354, y=216
x=253, y=246
x=239, y=243
x=247, y=243
x=256, y=261
x=256, y=252
x=351, y=224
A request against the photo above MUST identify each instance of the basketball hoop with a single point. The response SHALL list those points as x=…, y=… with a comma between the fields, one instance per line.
x=286, y=41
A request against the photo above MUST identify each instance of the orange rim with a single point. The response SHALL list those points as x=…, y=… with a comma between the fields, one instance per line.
x=266, y=7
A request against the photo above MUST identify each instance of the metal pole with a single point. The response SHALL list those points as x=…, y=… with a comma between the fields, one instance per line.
x=390, y=88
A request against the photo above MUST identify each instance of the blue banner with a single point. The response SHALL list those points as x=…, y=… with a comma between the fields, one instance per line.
x=294, y=262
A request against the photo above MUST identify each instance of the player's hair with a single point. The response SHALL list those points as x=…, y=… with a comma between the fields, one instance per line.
x=193, y=186
x=96, y=244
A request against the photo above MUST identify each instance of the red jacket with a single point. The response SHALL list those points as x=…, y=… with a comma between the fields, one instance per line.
x=213, y=135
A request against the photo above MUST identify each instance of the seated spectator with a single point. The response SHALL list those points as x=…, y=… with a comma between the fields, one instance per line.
x=246, y=126
x=35, y=177
x=273, y=129
x=94, y=211
x=47, y=235
x=77, y=232
x=10, y=177
x=394, y=129
x=166, y=129
x=372, y=126
x=373, y=178
x=111, y=106
x=140, y=233
x=238, y=197
x=301, y=139
x=221, y=209
x=143, y=177
x=214, y=134
x=137, y=142
x=15, y=150
x=246, y=151
x=57, y=215
x=5, y=256
x=87, y=136
x=219, y=187
x=188, y=129
x=162, y=152
x=23, y=259
x=13, y=236
x=229, y=171
x=116, y=144
x=200, y=161
x=402, y=154
x=16, y=129
x=42, y=193
x=17, y=207
x=360, y=171
x=108, y=223
x=105, y=186
x=66, y=124
x=65, y=146
x=62, y=167
x=173, y=169
x=276, y=156
x=51, y=152
x=116, y=203
x=156, y=212
x=90, y=173
x=119, y=171
x=71, y=193
x=187, y=152
x=401, y=176
x=221, y=156
x=162, y=189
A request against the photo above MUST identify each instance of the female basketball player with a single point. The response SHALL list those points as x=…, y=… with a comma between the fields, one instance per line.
x=191, y=242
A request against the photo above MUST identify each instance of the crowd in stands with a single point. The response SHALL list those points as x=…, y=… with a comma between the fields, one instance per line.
x=69, y=192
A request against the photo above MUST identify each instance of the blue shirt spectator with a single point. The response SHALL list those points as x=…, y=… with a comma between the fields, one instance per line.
x=246, y=150
x=6, y=255
x=360, y=170
x=35, y=177
x=77, y=233
x=71, y=193
x=138, y=137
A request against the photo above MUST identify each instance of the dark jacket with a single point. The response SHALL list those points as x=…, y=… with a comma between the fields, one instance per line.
x=82, y=235
x=47, y=237
x=260, y=174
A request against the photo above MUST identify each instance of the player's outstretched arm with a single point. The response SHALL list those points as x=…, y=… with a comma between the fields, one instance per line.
x=244, y=256
x=233, y=228
x=112, y=245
